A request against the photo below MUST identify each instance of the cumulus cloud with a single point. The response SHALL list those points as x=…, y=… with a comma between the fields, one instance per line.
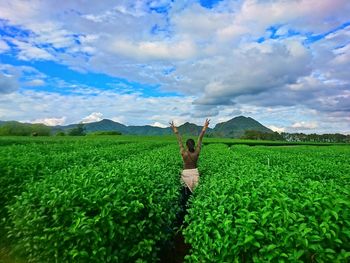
x=28, y=51
x=304, y=125
x=248, y=55
x=147, y=50
x=255, y=69
x=136, y=110
x=93, y=117
x=51, y=121
x=11, y=77
x=158, y=124
x=8, y=83
x=276, y=128
x=35, y=83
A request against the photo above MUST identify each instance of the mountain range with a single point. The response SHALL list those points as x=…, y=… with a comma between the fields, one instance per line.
x=233, y=128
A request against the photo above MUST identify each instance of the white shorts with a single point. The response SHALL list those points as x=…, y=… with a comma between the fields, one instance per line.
x=190, y=178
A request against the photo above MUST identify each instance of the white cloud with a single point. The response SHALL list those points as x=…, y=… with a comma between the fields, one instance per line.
x=28, y=51
x=35, y=83
x=8, y=83
x=51, y=121
x=310, y=15
x=93, y=117
x=158, y=124
x=211, y=56
x=276, y=128
x=4, y=46
x=12, y=77
x=148, y=50
x=120, y=119
x=303, y=125
x=138, y=110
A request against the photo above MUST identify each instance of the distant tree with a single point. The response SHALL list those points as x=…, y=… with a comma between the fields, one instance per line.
x=40, y=129
x=105, y=133
x=60, y=133
x=79, y=130
x=258, y=135
x=251, y=135
x=313, y=137
x=209, y=135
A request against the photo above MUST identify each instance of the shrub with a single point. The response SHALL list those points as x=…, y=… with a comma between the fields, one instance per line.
x=271, y=205
x=106, y=212
x=79, y=130
x=60, y=133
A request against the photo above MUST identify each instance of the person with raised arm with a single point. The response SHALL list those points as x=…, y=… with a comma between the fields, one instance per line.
x=190, y=174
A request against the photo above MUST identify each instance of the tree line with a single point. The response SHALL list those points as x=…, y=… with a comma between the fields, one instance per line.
x=296, y=137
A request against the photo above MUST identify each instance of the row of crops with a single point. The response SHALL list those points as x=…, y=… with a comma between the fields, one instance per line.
x=271, y=204
x=108, y=200
x=89, y=201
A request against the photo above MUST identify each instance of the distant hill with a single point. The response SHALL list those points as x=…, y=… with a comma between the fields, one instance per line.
x=8, y=128
x=233, y=128
x=190, y=129
x=103, y=125
x=109, y=125
x=106, y=125
x=148, y=130
x=237, y=126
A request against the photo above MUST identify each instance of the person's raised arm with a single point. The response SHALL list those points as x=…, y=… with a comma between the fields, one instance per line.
x=178, y=136
x=205, y=127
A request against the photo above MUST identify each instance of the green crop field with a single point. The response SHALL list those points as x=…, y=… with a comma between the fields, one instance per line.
x=116, y=199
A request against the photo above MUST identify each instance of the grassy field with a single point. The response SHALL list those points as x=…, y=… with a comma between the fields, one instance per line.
x=116, y=199
x=7, y=140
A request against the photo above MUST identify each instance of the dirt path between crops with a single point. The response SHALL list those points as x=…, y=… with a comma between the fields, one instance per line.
x=177, y=249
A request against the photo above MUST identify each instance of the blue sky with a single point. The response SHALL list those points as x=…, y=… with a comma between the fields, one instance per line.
x=283, y=63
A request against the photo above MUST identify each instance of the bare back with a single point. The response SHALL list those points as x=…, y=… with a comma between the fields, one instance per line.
x=190, y=159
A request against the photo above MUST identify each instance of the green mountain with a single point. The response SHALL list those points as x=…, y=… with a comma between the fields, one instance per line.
x=236, y=127
x=190, y=129
x=148, y=130
x=106, y=125
x=103, y=125
x=23, y=129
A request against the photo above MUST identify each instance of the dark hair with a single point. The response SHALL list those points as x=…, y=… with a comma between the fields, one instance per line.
x=190, y=145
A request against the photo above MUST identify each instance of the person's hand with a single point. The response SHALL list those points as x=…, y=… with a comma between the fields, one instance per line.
x=206, y=124
x=172, y=125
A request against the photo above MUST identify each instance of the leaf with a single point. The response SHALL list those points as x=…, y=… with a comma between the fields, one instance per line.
x=259, y=233
x=329, y=250
x=248, y=239
x=256, y=244
x=270, y=247
x=335, y=214
x=251, y=221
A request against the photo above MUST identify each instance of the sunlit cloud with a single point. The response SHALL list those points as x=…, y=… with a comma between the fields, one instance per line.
x=50, y=121
x=248, y=57
x=93, y=117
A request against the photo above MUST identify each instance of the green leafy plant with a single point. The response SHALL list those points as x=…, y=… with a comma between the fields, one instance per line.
x=103, y=212
x=265, y=204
